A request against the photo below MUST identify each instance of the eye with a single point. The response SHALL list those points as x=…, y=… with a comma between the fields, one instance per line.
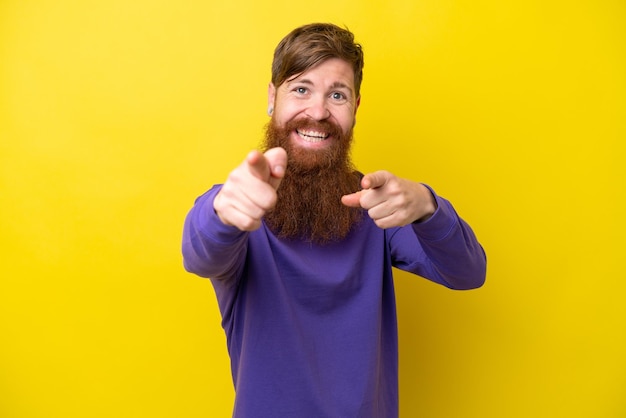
x=338, y=96
x=301, y=90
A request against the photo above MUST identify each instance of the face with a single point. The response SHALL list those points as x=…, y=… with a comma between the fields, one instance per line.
x=312, y=120
x=316, y=103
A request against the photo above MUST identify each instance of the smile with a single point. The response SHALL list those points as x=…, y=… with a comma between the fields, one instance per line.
x=312, y=136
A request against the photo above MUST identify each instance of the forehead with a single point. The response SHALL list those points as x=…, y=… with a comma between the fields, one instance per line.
x=332, y=73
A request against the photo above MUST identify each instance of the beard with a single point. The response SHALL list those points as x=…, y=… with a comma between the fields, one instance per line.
x=309, y=196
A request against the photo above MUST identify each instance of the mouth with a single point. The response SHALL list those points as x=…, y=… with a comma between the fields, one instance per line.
x=313, y=136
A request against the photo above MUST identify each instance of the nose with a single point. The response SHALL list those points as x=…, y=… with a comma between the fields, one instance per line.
x=318, y=109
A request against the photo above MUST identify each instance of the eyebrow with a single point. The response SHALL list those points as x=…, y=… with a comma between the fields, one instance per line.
x=340, y=85
x=335, y=85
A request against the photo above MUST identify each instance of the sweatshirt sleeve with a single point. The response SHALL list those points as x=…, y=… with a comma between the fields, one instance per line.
x=443, y=249
x=210, y=248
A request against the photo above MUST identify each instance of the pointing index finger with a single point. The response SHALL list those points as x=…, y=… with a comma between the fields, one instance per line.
x=258, y=165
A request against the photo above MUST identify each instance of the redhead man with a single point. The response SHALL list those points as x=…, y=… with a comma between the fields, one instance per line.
x=299, y=247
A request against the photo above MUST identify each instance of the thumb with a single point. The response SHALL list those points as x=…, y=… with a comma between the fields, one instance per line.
x=374, y=180
x=352, y=200
x=277, y=160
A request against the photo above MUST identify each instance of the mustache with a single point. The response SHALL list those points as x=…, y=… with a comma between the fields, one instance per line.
x=326, y=126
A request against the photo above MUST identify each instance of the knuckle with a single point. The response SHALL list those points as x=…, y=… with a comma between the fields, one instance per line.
x=381, y=224
x=250, y=224
x=234, y=177
x=268, y=200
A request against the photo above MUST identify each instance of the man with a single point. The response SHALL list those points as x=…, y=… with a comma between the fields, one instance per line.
x=300, y=247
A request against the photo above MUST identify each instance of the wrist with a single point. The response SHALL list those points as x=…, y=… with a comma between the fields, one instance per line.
x=429, y=206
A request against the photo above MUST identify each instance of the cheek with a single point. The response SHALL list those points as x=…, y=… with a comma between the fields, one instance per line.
x=346, y=121
x=285, y=113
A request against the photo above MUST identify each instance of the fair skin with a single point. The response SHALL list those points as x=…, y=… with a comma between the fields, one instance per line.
x=324, y=92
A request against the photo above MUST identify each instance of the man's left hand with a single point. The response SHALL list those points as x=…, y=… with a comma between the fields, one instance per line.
x=392, y=201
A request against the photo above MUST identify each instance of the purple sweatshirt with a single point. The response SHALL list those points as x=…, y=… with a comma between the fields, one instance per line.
x=311, y=330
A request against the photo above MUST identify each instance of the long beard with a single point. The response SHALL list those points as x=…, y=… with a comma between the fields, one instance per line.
x=309, y=197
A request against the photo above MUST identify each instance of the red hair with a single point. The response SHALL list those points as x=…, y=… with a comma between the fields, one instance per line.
x=310, y=45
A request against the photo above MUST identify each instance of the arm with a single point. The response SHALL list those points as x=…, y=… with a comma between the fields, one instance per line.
x=430, y=238
x=453, y=255
x=215, y=232
x=210, y=247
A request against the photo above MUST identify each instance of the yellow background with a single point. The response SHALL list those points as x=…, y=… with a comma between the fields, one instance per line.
x=115, y=115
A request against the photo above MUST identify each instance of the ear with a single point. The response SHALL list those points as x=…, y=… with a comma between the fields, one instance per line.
x=356, y=107
x=271, y=98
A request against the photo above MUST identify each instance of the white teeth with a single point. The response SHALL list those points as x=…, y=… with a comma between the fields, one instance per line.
x=312, y=136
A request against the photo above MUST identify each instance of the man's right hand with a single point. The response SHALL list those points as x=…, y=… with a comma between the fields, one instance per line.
x=250, y=190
